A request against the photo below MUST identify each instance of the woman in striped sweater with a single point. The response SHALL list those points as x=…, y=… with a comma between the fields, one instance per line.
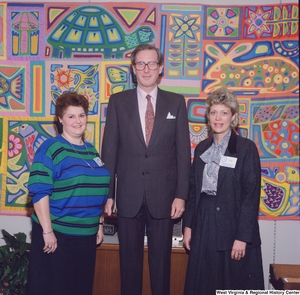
x=69, y=185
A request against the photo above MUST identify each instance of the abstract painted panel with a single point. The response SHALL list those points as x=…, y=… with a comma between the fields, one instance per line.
x=49, y=49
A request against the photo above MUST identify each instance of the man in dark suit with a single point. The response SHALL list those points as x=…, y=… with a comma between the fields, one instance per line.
x=152, y=164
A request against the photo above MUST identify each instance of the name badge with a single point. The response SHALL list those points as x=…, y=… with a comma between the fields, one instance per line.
x=228, y=161
x=98, y=161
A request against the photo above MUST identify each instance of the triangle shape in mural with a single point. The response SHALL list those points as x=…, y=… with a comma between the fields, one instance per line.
x=36, y=14
x=16, y=105
x=151, y=17
x=206, y=82
x=129, y=15
x=208, y=61
x=225, y=46
x=13, y=14
x=3, y=102
x=9, y=72
x=54, y=13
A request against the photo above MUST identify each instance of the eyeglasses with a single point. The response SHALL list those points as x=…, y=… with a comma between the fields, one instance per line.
x=140, y=66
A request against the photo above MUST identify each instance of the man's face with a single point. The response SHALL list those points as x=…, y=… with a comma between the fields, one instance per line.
x=147, y=79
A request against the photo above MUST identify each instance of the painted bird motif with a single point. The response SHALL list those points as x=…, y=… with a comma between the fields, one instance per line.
x=85, y=78
x=32, y=139
x=292, y=174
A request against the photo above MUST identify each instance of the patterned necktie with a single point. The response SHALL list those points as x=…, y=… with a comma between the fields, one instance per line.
x=149, y=119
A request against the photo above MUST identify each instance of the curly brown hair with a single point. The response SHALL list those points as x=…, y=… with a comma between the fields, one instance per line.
x=70, y=99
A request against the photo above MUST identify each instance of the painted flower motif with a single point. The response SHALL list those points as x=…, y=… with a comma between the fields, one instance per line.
x=63, y=78
x=222, y=22
x=14, y=145
x=184, y=26
x=257, y=22
x=89, y=94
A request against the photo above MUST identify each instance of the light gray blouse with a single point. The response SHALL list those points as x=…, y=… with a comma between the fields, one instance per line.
x=212, y=158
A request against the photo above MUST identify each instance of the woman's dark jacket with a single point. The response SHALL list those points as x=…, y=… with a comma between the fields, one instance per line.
x=238, y=193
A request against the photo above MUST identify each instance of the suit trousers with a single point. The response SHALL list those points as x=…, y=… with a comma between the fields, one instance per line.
x=131, y=233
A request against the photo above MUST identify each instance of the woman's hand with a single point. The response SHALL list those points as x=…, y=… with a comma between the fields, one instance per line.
x=50, y=242
x=100, y=235
x=42, y=211
x=238, y=250
x=187, y=235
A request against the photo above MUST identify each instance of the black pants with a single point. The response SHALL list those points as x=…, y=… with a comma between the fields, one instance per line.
x=67, y=271
x=131, y=238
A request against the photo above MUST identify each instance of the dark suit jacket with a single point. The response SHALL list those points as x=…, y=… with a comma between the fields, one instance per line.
x=238, y=193
x=161, y=171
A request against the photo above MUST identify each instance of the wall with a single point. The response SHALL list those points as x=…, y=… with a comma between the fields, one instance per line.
x=280, y=239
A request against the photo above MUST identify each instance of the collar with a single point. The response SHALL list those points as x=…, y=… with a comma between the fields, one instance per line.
x=224, y=141
x=142, y=93
x=231, y=144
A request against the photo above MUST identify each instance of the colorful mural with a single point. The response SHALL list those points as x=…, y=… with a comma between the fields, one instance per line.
x=48, y=49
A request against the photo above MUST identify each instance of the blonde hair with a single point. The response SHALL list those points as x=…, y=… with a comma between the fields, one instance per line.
x=227, y=98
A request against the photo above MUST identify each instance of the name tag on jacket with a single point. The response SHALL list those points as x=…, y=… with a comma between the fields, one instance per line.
x=228, y=162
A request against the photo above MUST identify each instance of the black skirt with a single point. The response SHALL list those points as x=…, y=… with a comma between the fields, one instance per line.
x=209, y=270
x=67, y=271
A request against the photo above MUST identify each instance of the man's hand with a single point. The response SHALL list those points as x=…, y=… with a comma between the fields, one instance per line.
x=108, y=208
x=177, y=208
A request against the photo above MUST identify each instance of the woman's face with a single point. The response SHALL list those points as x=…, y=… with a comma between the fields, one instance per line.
x=220, y=118
x=74, y=121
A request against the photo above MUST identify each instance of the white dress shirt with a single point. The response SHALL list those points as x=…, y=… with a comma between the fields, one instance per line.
x=142, y=103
